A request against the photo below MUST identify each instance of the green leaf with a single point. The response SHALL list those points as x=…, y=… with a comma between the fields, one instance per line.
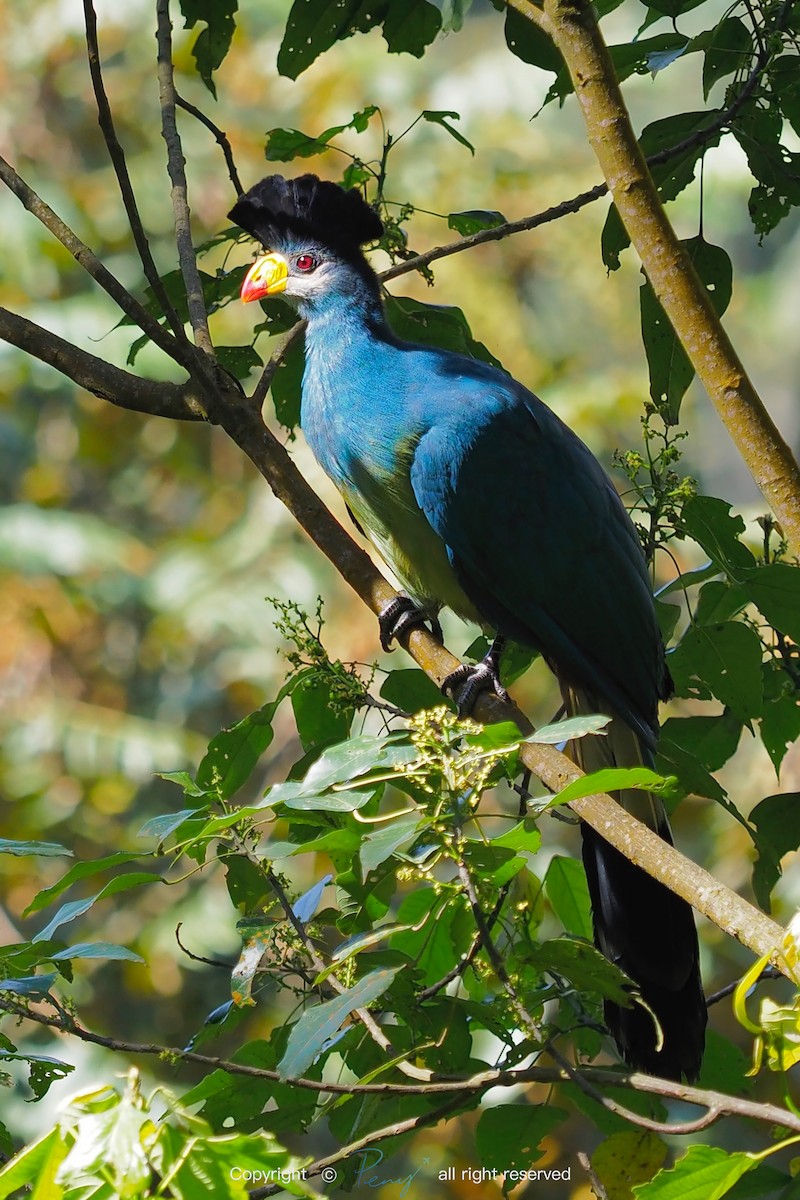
x=32, y=1163
x=710, y=523
x=38, y=849
x=692, y=775
x=566, y=730
x=730, y=50
x=35, y=986
x=614, y=779
x=443, y=119
x=474, y=219
x=718, y=601
x=411, y=690
x=509, y=1137
x=96, y=950
x=785, y=81
x=239, y=361
x=523, y=836
x=529, y=43
x=568, y=892
x=234, y=752
x=780, y=719
x=584, y=966
x=319, y=722
x=286, y=386
x=435, y=325
x=713, y=740
x=378, y=846
x=75, y=908
x=775, y=589
x=80, y=871
x=777, y=819
x=409, y=26
x=777, y=169
x=670, y=177
x=723, y=661
x=213, y=42
x=626, y=1158
x=161, y=827
x=703, y=1173
x=285, y=144
x=322, y=1021
x=670, y=369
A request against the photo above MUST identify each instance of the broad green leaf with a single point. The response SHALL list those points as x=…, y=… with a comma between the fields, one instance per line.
x=568, y=892
x=710, y=523
x=286, y=385
x=626, y=1158
x=785, y=80
x=307, y=904
x=343, y=801
x=713, y=740
x=703, y=1173
x=529, y=43
x=285, y=144
x=239, y=361
x=43, y=1071
x=777, y=819
x=319, y=722
x=758, y=129
x=730, y=50
x=523, y=836
x=671, y=177
x=780, y=718
x=32, y=1162
x=234, y=752
x=775, y=589
x=213, y=42
x=584, y=966
x=722, y=661
x=35, y=986
x=692, y=775
x=670, y=369
x=493, y=863
x=474, y=220
x=509, y=1136
x=719, y=600
x=358, y=756
x=75, y=908
x=378, y=846
x=82, y=870
x=96, y=950
x=672, y=8
x=614, y=779
x=411, y=690
x=161, y=827
x=39, y=849
x=435, y=325
x=313, y=26
x=571, y=727
x=322, y=1021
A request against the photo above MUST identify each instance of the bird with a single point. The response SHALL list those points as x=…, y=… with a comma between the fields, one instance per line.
x=483, y=501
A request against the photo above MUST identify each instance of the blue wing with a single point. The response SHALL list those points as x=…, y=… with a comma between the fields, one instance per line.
x=539, y=540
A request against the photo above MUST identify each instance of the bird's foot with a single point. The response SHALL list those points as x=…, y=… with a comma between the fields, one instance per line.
x=402, y=614
x=466, y=683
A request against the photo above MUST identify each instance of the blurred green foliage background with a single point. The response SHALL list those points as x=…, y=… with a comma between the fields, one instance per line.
x=136, y=555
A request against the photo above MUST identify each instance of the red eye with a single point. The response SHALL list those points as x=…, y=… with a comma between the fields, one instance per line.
x=305, y=262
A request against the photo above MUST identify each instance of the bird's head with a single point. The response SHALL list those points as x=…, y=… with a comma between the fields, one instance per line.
x=313, y=232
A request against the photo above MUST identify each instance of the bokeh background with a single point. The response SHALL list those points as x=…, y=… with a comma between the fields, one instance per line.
x=137, y=555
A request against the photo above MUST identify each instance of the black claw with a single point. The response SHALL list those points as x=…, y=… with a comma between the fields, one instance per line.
x=400, y=615
x=470, y=679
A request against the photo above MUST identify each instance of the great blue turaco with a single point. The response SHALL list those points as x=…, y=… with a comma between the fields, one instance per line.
x=482, y=500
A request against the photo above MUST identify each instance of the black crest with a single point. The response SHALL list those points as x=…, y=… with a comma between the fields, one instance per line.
x=307, y=206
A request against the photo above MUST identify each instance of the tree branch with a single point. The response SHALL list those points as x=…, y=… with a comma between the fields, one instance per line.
x=158, y=399
x=573, y=27
x=716, y=1104
x=176, y=165
x=117, y=156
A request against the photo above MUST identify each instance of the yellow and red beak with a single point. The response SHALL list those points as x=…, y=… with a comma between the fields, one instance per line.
x=266, y=277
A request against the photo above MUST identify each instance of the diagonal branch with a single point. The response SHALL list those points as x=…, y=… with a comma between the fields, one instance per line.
x=176, y=164
x=117, y=156
x=182, y=353
x=178, y=401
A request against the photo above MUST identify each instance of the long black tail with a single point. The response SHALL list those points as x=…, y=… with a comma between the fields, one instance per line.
x=642, y=926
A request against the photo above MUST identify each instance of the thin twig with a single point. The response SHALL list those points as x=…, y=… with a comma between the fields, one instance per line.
x=176, y=166
x=467, y=959
x=117, y=156
x=219, y=134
